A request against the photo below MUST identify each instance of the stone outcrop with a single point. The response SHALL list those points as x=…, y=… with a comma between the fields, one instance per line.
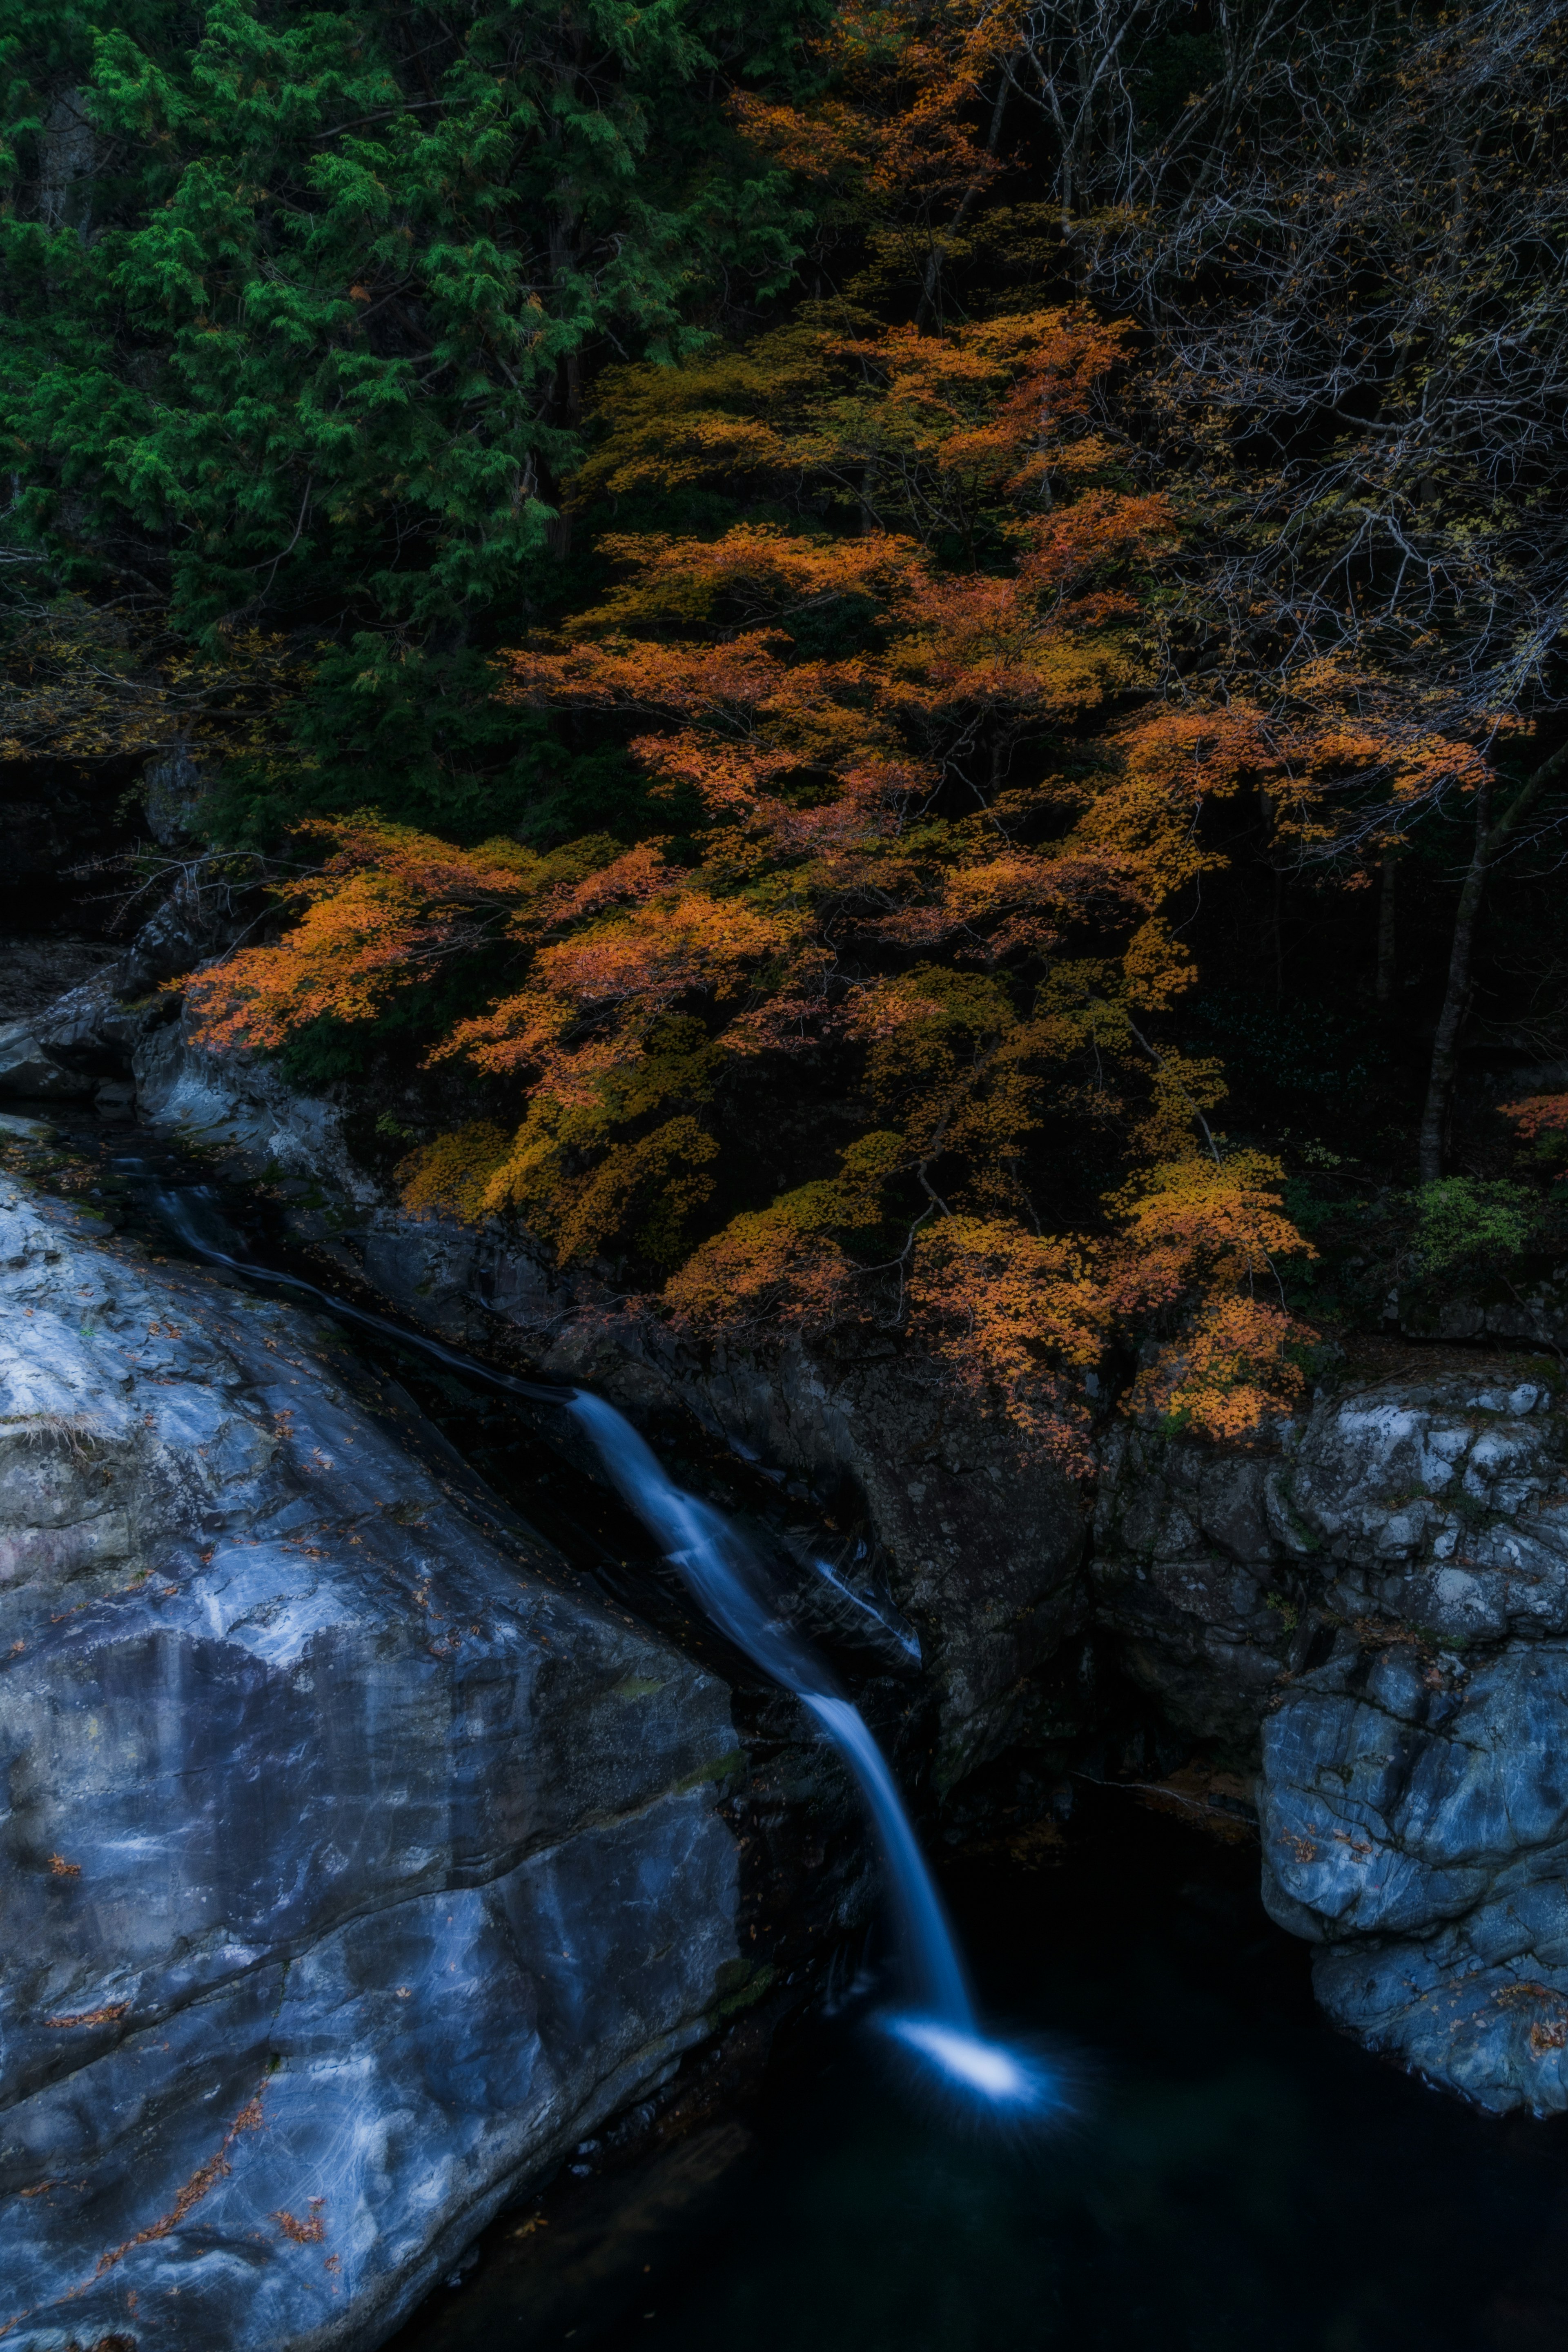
x=69, y=1046
x=29, y=1069
x=1376, y=1608
x=1415, y=1826
x=359, y=1860
x=173, y=792
x=1190, y=1570
x=236, y=1105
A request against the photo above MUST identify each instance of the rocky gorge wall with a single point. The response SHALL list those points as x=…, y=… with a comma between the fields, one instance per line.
x=1375, y=1611
x=359, y=1858
x=1368, y=1614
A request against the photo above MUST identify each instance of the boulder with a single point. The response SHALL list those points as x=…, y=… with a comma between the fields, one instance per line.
x=359, y=1858
x=83, y=1042
x=238, y=1104
x=27, y=1069
x=1415, y=1815
x=93, y=1030
x=1373, y=1608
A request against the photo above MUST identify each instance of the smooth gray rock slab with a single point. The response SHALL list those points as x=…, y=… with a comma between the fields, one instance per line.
x=357, y=1859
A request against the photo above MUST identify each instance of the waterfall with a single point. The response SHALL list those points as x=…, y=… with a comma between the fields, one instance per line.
x=730, y=1582
x=729, y=1585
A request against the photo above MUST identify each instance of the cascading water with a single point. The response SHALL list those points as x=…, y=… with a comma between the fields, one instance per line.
x=730, y=1585
x=730, y=1582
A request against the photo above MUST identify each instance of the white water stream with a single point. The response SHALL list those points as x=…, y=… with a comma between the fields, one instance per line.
x=730, y=1584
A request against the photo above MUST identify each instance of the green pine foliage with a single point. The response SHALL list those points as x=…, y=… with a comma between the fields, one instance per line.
x=300, y=306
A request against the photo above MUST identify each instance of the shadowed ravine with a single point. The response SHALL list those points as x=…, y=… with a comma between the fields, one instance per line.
x=937, y=2024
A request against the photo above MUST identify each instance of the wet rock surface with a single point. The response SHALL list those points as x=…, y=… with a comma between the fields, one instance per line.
x=1374, y=1608
x=358, y=1859
x=1370, y=1612
x=237, y=1105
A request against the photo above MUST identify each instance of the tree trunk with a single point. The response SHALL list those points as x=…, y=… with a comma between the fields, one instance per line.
x=1441, y=1084
x=1490, y=841
x=933, y=284
x=1386, y=935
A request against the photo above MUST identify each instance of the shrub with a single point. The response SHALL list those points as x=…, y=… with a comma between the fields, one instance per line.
x=1464, y=1220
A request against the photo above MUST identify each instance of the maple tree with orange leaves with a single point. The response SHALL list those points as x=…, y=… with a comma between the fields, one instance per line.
x=937, y=861
x=1537, y=1116
x=940, y=798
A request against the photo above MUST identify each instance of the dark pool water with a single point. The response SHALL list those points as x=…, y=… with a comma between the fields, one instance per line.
x=1234, y=2178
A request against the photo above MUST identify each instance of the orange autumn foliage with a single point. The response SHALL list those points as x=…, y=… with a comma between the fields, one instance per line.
x=1014, y=1315
x=896, y=126
x=1230, y=1372
x=387, y=901
x=899, y=427
x=1538, y=1115
x=939, y=823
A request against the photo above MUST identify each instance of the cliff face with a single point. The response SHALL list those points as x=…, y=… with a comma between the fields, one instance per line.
x=358, y=1859
x=1377, y=1609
